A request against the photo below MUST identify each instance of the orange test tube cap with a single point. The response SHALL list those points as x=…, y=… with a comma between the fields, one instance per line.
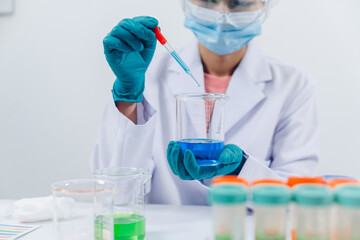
x=230, y=179
x=292, y=181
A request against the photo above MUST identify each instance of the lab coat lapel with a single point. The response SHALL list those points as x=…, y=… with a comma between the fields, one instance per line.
x=245, y=87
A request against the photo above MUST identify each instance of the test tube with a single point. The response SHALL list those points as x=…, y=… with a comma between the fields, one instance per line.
x=292, y=182
x=271, y=203
x=347, y=214
x=228, y=209
x=312, y=212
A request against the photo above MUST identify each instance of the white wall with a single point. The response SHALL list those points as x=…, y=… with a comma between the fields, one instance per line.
x=54, y=80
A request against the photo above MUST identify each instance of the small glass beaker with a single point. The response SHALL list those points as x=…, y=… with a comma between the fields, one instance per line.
x=200, y=125
x=129, y=208
x=83, y=209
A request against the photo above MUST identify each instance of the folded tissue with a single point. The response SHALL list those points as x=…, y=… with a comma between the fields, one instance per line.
x=40, y=209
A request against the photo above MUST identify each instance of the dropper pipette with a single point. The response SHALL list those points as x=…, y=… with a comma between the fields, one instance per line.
x=173, y=53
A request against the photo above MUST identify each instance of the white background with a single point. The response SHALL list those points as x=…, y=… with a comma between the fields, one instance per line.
x=54, y=80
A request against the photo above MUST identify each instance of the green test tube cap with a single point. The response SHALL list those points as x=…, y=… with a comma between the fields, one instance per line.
x=313, y=195
x=271, y=195
x=227, y=194
x=348, y=196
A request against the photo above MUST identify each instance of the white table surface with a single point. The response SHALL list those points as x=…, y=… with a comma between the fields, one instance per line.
x=163, y=222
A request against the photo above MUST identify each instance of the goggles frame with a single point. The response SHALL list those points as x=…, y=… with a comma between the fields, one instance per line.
x=230, y=16
x=231, y=5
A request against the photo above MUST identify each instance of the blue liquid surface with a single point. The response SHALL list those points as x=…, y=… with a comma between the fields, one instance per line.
x=206, y=151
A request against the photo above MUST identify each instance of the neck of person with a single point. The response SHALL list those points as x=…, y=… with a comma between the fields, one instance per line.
x=220, y=65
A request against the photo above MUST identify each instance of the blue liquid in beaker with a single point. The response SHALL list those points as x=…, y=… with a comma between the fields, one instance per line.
x=206, y=151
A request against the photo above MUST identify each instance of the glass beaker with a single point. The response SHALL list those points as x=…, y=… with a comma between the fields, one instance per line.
x=129, y=208
x=200, y=125
x=83, y=209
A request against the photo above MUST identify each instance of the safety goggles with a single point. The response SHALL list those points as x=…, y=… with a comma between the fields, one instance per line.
x=232, y=5
x=207, y=12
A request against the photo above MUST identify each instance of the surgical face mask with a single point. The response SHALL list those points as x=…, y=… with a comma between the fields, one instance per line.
x=223, y=32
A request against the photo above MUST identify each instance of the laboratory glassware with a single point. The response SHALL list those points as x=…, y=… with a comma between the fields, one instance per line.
x=312, y=212
x=129, y=208
x=271, y=203
x=347, y=214
x=89, y=215
x=200, y=125
x=228, y=210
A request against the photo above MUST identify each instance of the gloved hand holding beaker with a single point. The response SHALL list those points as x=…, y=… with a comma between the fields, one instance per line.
x=186, y=167
x=199, y=152
x=129, y=49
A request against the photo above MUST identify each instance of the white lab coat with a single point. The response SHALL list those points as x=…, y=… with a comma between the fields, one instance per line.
x=271, y=115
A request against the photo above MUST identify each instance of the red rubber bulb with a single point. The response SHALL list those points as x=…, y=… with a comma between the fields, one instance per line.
x=159, y=36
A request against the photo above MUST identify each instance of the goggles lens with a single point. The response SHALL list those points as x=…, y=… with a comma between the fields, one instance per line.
x=212, y=17
x=231, y=5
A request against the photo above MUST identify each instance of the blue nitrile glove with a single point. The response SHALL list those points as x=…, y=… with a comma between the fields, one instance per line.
x=186, y=167
x=129, y=48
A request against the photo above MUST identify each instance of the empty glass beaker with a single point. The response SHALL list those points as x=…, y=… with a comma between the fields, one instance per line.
x=200, y=125
x=129, y=208
x=83, y=209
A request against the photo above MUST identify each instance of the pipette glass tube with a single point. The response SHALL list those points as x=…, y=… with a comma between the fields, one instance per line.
x=173, y=53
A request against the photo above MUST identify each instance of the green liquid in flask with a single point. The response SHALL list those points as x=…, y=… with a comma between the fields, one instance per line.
x=129, y=226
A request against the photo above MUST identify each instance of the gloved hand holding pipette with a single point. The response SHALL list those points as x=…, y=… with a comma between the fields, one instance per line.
x=129, y=49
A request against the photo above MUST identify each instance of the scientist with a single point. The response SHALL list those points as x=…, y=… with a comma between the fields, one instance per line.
x=271, y=116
